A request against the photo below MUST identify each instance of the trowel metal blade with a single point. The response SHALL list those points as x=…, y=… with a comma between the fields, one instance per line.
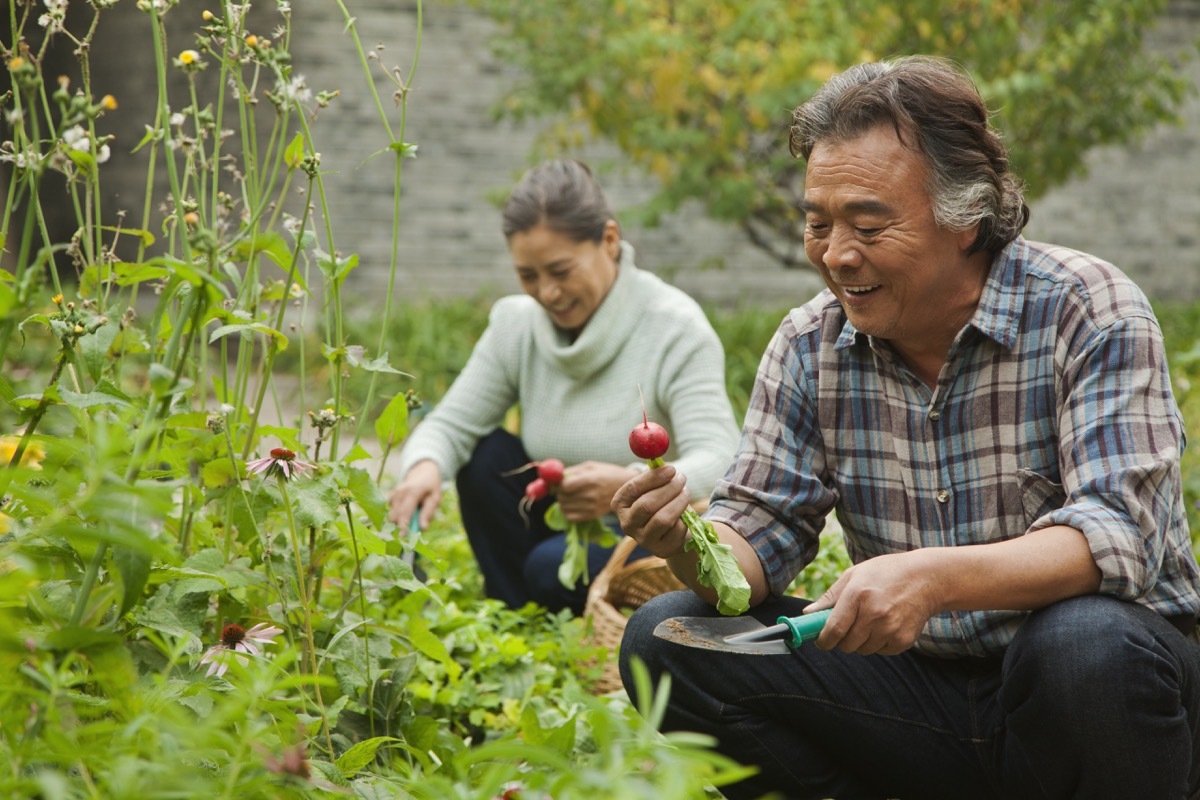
x=726, y=634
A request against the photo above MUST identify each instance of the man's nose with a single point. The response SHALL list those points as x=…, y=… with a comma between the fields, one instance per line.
x=841, y=248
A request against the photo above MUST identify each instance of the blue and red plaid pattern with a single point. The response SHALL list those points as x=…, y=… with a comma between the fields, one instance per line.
x=1054, y=408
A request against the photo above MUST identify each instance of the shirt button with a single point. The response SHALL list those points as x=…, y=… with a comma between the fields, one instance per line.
x=935, y=415
x=943, y=496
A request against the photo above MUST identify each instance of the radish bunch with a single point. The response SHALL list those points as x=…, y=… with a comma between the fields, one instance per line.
x=549, y=476
x=716, y=567
x=550, y=473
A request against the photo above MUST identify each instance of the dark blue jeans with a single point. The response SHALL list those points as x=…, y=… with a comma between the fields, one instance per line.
x=519, y=559
x=1095, y=698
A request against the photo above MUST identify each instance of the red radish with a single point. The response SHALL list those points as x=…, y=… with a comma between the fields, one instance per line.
x=550, y=470
x=648, y=440
x=537, y=489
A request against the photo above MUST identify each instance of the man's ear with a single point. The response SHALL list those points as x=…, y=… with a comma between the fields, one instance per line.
x=967, y=238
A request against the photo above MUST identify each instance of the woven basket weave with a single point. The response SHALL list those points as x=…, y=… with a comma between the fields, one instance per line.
x=622, y=584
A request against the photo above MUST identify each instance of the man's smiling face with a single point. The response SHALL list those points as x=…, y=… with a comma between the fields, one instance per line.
x=870, y=230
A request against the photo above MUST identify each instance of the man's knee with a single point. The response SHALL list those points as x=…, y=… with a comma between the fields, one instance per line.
x=1084, y=649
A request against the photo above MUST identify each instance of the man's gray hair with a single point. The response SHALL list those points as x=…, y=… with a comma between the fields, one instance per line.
x=936, y=109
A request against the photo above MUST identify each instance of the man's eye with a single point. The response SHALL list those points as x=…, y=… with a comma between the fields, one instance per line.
x=868, y=232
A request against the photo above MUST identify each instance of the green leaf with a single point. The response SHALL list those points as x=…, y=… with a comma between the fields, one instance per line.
x=405, y=149
x=315, y=502
x=146, y=236
x=717, y=567
x=294, y=154
x=366, y=494
x=94, y=349
x=8, y=298
x=558, y=737
x=424, y=640
x=354, y=357
x=81, y=638
x=392, y=425
x=574, y=563
x=555, y=520
x=105, y=395
x=361, y=754
x=7, y=394
x=134, y=568
x=336, y=269
x=281, y=340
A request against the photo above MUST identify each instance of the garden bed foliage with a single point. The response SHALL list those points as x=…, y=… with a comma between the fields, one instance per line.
x=201, y=595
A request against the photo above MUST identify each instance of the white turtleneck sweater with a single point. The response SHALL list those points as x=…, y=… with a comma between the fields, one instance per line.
x=579, y=400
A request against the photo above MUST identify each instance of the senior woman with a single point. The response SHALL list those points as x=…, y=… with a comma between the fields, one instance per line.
x=571, y=353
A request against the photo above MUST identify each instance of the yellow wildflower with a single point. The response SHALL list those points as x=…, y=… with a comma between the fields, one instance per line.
x=57, y=299
x=16, y=63
x=108, y=102
x=207, y=15
x=32, y=457
x=188, y=57
x=251, y=40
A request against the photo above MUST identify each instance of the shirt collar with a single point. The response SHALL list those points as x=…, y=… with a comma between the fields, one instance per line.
x=998, y=315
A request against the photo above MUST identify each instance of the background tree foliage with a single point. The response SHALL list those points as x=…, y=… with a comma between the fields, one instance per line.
x=699, y=92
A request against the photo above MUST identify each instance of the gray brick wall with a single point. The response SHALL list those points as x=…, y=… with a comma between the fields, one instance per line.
x=450, y=231
x=1139, y=207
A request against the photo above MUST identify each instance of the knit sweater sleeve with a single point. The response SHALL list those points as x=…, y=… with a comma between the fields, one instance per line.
x=691, y=394
x=475, y=404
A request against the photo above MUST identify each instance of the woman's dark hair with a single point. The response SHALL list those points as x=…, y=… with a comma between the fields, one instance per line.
x=937, y=109
x=564, y=196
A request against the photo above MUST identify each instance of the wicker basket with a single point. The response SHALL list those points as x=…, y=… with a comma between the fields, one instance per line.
x=622, y=584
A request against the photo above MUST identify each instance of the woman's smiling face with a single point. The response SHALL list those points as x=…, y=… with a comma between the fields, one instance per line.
x=870, y=231
x=568, y=278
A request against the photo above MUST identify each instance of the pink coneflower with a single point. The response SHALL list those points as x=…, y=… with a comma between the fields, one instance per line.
x=235, y=638
x=281, y=461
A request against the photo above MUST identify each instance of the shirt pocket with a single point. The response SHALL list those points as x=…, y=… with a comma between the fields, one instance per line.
x=1039, y=495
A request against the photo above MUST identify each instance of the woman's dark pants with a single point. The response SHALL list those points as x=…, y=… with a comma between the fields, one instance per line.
x=519, y=558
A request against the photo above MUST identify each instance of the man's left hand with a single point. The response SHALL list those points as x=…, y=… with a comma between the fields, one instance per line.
x=879, y=605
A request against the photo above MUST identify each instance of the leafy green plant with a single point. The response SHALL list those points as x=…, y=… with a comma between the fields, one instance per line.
x=200, y=591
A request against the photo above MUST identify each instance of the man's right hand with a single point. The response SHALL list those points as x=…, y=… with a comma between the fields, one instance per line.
x=420, y=489
x=650, y=506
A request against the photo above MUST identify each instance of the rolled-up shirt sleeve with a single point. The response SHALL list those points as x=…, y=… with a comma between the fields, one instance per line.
x=1120, y=441
x=772, y=494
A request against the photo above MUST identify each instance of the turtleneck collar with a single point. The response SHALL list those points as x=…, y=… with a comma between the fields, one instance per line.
x=604, y=334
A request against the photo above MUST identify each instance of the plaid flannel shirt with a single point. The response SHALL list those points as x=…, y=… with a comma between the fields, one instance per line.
x=1054, y=407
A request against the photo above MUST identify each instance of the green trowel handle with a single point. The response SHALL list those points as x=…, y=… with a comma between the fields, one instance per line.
x=805, y=627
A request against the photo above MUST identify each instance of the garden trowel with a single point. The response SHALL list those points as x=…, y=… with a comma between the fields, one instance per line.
x=743, y=634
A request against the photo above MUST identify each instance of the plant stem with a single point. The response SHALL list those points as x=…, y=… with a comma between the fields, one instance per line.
x=309, y=649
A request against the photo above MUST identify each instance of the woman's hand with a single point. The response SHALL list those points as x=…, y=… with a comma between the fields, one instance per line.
x=420, y=489
x=588, y=487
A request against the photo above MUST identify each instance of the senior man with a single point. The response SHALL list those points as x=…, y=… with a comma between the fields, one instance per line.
x=992, y=421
